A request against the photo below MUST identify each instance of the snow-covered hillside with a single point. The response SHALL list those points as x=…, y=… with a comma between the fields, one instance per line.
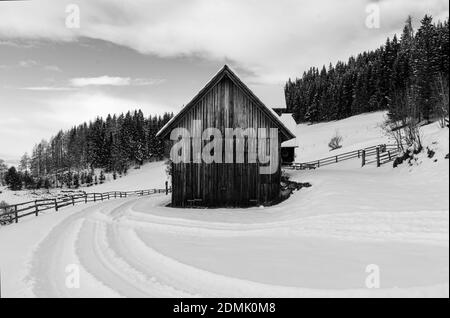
x=149, y=176
x=320, y=242
x=357, y=132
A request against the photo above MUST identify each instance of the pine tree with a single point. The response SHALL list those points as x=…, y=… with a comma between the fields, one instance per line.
x=28, y=180
x=13, y=179
x=3, y=170
x=24, y=164
x=426, y=61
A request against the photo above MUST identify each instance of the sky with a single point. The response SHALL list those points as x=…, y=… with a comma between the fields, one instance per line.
x=66, y=62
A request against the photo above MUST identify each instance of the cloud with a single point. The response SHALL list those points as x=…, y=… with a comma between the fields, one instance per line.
x=273, y=40
x=75, y=108
x=102, y=80
x=60, y=111
x=112, y=81
x=32, y=63
x=81, y=82
x=47, y=88
x=17, y=44
x=28, y=63
x=52, y=68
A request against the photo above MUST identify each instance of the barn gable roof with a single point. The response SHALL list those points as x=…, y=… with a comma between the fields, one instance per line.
x=226, y=71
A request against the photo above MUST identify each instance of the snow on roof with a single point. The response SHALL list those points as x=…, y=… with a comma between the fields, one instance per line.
x=290, y=123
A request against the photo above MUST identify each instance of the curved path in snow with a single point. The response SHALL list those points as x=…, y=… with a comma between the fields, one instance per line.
x=139, y=248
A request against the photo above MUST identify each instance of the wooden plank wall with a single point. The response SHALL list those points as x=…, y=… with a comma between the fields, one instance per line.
x=224, y=185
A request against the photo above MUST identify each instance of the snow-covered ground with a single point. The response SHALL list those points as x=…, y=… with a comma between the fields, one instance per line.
x=151, y=175
x=357, y=132
x=318, y=243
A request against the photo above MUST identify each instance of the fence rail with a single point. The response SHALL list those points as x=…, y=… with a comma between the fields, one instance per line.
x=12, y=213
x=379, y=154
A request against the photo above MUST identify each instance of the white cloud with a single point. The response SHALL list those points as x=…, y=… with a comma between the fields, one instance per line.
x=28, y=63
x=16, y=44
x=52, y=68
x=102, y=80
x=75, y=108
x=61, y=111
x=113, y=81
x=272, y=39
x=47, y=88
x=32, y=63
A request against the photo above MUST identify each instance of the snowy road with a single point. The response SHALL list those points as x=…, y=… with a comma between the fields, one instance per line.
x=139, y=248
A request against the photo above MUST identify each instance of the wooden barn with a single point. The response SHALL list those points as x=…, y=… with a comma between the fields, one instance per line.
x=226, y=102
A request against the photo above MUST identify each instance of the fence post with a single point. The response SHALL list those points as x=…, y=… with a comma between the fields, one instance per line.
x=73, y=200
x=85, y=198
x=36, y=208
x=318, y=163
x=363, y=160
x=56, y=205
x=115, y=194
x=378, y=157
x=167, y=188
x=336, y=159
x=101, y=196
x=95, y=197
x=15, y=214
x=389, y=154
x=359, y=154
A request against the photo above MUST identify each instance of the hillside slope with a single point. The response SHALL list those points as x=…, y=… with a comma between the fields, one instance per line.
x=357, y=132
x=318, y=243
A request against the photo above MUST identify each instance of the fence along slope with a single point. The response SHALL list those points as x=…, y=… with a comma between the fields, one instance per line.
x=12, y=213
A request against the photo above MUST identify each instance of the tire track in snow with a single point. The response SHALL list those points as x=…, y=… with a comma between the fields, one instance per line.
x=424, y=227
x=115, y=261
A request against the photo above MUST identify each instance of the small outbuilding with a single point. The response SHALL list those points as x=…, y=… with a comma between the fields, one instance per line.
x=288, y=148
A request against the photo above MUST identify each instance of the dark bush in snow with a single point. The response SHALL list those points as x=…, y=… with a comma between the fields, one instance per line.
x=335, y=142
x=13, y=179
x=5, y=219
x=102, y=177
x=409, y=156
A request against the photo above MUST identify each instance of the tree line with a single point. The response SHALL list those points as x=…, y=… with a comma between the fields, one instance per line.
x=111, y=145
x=373, y=80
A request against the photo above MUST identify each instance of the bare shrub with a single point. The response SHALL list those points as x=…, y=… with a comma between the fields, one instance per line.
x=442, y=105
x=403, y=124
x=335, y=142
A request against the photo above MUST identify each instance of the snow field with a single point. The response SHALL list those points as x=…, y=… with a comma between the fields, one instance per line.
x=316, y=244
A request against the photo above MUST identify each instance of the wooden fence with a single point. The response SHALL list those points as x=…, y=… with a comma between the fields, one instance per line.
x=380, y=154
x=12, y=213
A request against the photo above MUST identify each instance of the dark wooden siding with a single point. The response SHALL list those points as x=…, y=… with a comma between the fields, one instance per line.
x=222, y=184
